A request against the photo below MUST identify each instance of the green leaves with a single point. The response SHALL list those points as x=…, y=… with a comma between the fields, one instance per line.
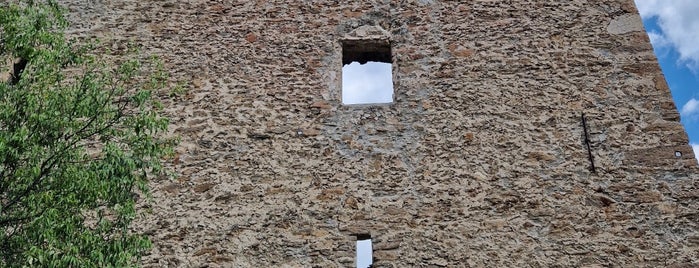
x=28, y=26
x=79, y=137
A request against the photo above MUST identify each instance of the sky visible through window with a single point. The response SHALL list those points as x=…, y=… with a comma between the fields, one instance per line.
x=364, y=254
x=367, y=83
x=673, y=28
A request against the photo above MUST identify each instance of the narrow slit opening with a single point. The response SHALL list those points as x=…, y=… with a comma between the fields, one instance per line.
x=364, y=251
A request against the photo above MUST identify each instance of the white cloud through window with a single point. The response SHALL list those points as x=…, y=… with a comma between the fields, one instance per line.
x=367, y=83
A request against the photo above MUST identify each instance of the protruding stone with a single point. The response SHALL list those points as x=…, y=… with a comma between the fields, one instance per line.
x=203, y=187
x=251, y=37
x=463, y=52
x=368, y=32
x=321, y=105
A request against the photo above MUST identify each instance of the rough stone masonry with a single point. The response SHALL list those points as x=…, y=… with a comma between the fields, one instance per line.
x=481, y=160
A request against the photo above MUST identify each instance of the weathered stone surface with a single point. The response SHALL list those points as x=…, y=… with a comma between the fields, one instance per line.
x=625, y=24
x=480, y=160
x=664, y=155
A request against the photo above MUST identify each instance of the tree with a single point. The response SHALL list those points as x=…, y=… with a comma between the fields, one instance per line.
x=79, y=137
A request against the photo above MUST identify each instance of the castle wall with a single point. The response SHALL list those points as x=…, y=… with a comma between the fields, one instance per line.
x=480, y=161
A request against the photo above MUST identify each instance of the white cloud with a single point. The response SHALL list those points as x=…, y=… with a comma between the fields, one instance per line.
x=696, y=150
x=679, y=23
x=658, y=40
x=690, y=108
x=367, y=83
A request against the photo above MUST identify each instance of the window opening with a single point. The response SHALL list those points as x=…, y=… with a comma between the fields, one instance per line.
x=366, y=73
x=364, y=252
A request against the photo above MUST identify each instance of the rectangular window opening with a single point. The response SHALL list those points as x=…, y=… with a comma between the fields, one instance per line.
x=364, y=251
x=366, y=72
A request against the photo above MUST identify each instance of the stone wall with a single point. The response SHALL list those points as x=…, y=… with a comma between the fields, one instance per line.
x=480, y=161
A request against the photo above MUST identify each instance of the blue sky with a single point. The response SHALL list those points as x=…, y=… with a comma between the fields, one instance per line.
x=673, y=28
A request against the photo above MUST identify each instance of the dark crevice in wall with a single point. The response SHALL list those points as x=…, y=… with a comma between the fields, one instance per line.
x=587, y=143
x=365, y=51
x=17, y=70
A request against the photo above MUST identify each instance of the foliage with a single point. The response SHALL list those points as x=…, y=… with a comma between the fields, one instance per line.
x=78, y=139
